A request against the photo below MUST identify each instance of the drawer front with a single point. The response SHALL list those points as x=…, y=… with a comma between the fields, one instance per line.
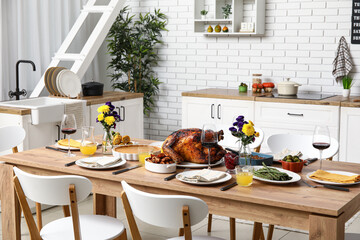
x=304, y=114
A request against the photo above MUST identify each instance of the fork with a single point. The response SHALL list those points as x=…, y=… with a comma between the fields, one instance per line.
x=327, y=186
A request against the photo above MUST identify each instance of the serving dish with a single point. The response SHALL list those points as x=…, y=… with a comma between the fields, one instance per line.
x=160, y=168
x=295, y=177
x=199, y=165
x=293, y=166
x=288, y=87
x=267, y=159
x=131, y=152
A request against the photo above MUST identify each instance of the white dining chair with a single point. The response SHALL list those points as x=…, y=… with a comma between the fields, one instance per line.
x=303, y=143
x=64, y=190
x=11, y=137
x=168, y=211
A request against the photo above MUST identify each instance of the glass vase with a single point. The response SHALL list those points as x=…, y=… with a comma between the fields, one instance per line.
x=107, y=142
x=244, y=154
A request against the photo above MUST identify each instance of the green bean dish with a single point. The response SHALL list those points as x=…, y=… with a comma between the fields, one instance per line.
x=271, y=174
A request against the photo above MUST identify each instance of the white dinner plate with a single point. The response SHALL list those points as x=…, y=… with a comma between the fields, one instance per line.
x=68, y=83
x=71, y=148
x=81, y=163
x=295, y=177
x=333, y=183
x=157, y=144
x=221, y=180
x=198, y=165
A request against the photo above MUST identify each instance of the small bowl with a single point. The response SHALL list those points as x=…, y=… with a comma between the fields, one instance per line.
x=160, y=168
x=293, y=166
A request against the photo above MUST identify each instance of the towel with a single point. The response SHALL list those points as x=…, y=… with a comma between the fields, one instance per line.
x=332, y=177
x=73, y=143
x=205, y=175
x=342, y=62
x=77, y=108
x=102, y=162
x=285, y=152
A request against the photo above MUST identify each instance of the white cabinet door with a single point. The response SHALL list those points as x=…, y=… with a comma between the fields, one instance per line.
x=197, y=111
x=132, y=117
x=98, y=128
x=349, y=134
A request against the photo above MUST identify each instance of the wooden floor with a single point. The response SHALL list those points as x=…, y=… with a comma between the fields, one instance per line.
x=220, y=226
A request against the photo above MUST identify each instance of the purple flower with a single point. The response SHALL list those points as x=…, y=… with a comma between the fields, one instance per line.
x=112, y=107
x=240, y=125
x=240, y=118
x=232, y=129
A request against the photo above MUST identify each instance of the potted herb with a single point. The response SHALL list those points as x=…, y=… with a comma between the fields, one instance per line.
x=243, y=88
x=203, y=14
x=226, y=11
x=133, y=47
x=347, y=83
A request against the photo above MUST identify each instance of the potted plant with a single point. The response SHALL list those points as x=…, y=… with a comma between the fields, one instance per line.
x=203, y=14
x=133, y=47
x=226, y=11
x=347, y=83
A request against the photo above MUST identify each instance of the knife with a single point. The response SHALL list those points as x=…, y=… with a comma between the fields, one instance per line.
x=70, y=164
x=228, y=186
x=337, y=188
x=125, y=169
x=310, y=160
x=170, y=177
x=55, y=149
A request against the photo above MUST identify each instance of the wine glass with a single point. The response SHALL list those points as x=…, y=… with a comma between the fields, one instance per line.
x=68, y=127
x=321, y=140
x=209, y=139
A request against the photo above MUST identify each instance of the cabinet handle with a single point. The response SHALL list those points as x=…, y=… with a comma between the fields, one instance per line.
x=119, y=112
x=212, y=111
x=296, y=114
x=218, y=111
x=122, y=107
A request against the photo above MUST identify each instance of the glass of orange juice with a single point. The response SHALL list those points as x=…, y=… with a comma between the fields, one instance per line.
x=143, y=154
x=88, y=145
x=244, y=176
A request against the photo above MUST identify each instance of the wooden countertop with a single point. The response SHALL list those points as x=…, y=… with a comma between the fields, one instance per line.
x=16, y=111
x=92, y=100
x=234, y=94
x=111, y=97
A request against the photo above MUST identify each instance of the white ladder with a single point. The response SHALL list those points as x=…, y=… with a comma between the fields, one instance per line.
x=92, y=45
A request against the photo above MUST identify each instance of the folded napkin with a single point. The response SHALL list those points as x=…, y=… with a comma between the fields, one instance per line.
x=284, y=153
x=333, y=177
x=73, y=143
x=102, y=162
x=205, y=175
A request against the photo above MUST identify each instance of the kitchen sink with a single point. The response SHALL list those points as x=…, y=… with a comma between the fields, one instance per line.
x=43, y=109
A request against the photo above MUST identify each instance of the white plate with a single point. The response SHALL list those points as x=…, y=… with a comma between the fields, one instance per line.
x=71, y=148
x=333, y=183
x=95, y=159
x=199, y=165
x=157, y=144
x=295, y=177
x=221, y=180
x=68, y=83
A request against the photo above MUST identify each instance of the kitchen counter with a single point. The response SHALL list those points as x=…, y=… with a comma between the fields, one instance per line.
x=351, y=102
x=91, y=100
x=234, y=94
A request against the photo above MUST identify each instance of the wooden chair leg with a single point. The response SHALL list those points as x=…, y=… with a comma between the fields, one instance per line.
x=181, y=232
x=270, y=232
x=123, y=236
x=38, y=216
x=186, y=222
x=66, y=211
x=257, y=232
x=135, y=234
x=209, y=222
x=232, y=229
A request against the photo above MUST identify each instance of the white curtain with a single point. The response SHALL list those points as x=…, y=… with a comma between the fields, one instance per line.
x=34, y=30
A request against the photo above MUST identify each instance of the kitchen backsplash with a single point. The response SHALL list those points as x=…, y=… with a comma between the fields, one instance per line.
x=300, y=42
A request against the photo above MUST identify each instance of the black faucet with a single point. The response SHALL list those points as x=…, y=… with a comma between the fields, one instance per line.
x=17, y=92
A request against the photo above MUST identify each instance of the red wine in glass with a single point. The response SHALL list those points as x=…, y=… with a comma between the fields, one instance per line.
x=68, y=131
x=321, y=145
x=209, y=139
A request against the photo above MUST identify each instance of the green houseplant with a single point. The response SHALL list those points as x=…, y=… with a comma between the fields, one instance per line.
x=203, y=14
x=226, y=10
x=347, y=83
x=132, y=47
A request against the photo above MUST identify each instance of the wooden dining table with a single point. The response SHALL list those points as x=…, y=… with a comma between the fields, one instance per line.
x=321, y=211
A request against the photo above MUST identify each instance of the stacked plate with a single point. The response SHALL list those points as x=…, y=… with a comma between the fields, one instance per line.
x=60, y=81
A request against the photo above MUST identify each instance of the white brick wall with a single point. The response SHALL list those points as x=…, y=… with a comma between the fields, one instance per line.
x=300, y=42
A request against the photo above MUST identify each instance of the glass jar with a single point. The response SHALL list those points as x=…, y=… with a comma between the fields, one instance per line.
x=88, y=145
x=244, y=154
x=257, y=78
x=107, y=142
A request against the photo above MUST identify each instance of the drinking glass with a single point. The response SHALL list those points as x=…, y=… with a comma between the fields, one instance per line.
x=88, y=145
x=244, y=176
x=68, y=127
x=321, y=140
x=209, y=139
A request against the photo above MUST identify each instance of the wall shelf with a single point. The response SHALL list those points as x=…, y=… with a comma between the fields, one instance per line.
x=242, y=11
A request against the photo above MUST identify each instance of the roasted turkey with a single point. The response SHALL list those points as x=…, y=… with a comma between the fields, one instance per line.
x=185, y=145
